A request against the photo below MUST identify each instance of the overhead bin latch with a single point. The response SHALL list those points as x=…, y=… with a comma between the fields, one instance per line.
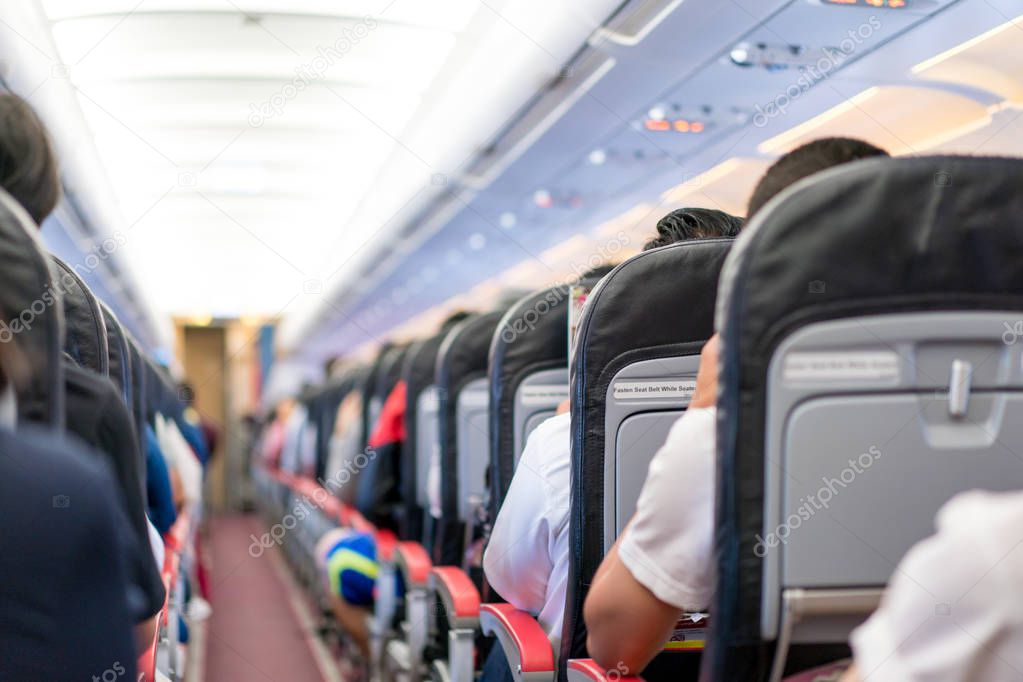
x=959, y=388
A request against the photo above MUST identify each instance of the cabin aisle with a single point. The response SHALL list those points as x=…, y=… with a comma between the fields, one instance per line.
x=255, y=633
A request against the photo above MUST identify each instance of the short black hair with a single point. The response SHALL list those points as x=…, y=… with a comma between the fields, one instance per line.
x=453, y=319
x=28, y=165
x=804, y=161
x=684, y=224
x=598, y=271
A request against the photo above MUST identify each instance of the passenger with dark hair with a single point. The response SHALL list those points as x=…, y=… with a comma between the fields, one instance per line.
x=804, y=161
x=662, y=563
x=526, y=560
x=28, y=166
x=95, y=411
x=69, y=557
x=686, y=224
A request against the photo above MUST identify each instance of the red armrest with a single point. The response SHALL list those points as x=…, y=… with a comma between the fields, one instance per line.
x=175, y=539
x=171, y=564
x=524, y=642
x=459, y=595
x=359, y=522
x=414, y=563
x=585, y=669
x=147, y=663
x=386, y=542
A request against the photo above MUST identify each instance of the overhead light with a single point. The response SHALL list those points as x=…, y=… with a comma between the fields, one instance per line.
x=597, y=157
x=656, y=125
x=543, y=198
x=740, y=55
x=657, y=112
x=477, y=241
x=779, y=57
x=507, y=220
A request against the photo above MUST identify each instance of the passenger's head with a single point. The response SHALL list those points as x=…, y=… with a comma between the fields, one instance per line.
x=453, y=319
x=598, y=271
x=684, y=224
x=806, y=160
x=28, y=165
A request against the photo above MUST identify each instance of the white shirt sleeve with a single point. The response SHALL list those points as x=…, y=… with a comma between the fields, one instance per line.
x=156, y=544
x=954, y=608
x=668, y=544
x=518, y=561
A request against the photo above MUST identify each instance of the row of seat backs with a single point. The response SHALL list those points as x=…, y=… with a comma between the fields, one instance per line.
x=323, y=407
x=56, y=313
x=847, y=306
x=418, y=371
x=62, y=316
x=635, y=363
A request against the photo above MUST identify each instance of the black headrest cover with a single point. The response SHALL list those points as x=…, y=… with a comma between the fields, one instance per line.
x=658, y=304
x=139, y=400
x=85, y=338
x=532, y=337
x=118, y=352
x=390, y=370
x=32, y=313
x=461, y=359
x=872, y=237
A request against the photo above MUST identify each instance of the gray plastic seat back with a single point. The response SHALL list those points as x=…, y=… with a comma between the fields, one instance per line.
x=536, y=401
x=643, y=401
x=874, y=423
x=639, y=340
x=869, y=372
x=472, y=433
x=427, y=442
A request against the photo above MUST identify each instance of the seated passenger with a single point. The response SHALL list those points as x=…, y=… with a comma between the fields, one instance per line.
x=662, y=564
x=95, y=411
x=526, y=560
x=954, y=609
x=159, y=489
x=348, y=566
x=348, y=558
x=70, y=559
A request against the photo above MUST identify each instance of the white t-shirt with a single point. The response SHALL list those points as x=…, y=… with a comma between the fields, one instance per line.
x=954, y=608
x=526, y=560
x=668, y=545
x=180, y=455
